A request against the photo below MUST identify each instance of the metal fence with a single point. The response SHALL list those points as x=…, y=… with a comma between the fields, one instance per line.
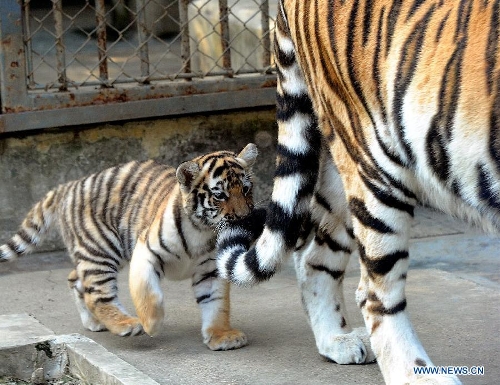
x=86, y=61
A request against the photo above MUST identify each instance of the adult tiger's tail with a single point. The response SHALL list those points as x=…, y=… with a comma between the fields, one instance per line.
x=34, y=226
x=298, y=152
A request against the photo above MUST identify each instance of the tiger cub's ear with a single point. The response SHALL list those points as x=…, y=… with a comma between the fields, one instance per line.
x=249, y=154
x=186, y=174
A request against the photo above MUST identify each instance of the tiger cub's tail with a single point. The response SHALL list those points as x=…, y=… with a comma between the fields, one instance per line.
x=31, y=231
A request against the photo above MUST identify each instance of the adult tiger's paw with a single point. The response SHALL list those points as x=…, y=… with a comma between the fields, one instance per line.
x=350, y=348
x=437, y=380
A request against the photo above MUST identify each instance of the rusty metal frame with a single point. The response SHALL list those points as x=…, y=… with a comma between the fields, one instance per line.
x=27, y=109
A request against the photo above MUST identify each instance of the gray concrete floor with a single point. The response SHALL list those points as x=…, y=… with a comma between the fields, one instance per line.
x=453, y=293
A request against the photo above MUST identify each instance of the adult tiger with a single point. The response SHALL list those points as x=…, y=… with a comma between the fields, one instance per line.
x=406, y=97
x=159, y=218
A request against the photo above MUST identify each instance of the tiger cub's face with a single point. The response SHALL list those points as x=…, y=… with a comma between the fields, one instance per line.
x=217, y=187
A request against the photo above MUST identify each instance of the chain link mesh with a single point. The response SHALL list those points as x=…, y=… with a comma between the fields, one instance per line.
x=105, y=43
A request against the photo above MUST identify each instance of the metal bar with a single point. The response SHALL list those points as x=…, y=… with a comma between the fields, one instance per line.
x=136, y=110
x=224, y=30
x=28, y=44
x=60, y=49
x=100, y=14
x=266, y=38
x=143, y=34
x=185, y=48
x=14, y=92
x=188, y=76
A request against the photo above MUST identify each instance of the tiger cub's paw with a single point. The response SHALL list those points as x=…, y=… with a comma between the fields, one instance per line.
x=223, y=339
x=350, y=348
x=127, y=327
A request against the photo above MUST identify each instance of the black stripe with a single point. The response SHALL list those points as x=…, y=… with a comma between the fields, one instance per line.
x=107, y=210
x=80, y=257
x=34, y=225
x=13, y=246
x=287, y=106
x=494, y=135
x=356, y=82
x=96, y=212
x=386, y=198
x=381, y=265
x=163, y=245
x=376, y=70
x=211, y=166
x=124, y=188
x=105, y=299
x=178, y=222
x=25, y=236
x=486, y=191
x=335, y=274
x=80, y=220
x=288, y=225
x=236, y=240
x=397, y=184
x=367, y=20
x=89, y=272
x=321, y=200
x=332, y=244
x=390, y=153
x=414, y=7
x=290, y=163
x=148, y=173
x=442, y=25
x=202, y=298
x=492, y=47
x=463, y=18
x=251, y=262
x=205, y=297
x=284, y=59
x=360, y=211
x=219, y=170
x=104, y=280
x=206, y=276
x=392, y=19
x=440, y=134
x=206, y=261
x=408, y=61
x=382, y=310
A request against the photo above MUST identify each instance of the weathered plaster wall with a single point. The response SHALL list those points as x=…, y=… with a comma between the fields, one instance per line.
x=31, y=165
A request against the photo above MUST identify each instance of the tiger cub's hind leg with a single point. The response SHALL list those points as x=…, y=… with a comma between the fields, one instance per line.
x=146, y=270
x=88, y=320
x=212, y=296
x=100, y=297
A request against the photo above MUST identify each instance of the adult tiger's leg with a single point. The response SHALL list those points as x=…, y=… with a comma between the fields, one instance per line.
x=381, y=221
x=212, y=296
x=320, y=265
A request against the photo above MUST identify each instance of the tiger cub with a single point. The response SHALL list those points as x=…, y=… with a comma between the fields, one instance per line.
x=160, y=219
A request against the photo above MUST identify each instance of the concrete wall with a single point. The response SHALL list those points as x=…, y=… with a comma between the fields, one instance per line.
x=32, y=164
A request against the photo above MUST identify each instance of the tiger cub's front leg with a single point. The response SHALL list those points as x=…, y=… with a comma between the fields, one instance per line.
x=212, y=296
